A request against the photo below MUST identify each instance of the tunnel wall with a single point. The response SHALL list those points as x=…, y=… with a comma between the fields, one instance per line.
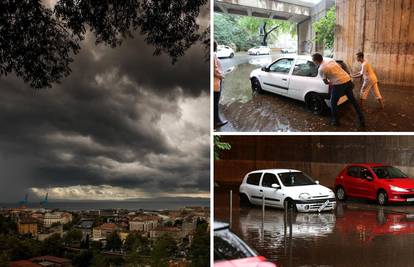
x=382, y=29
x=320, y=156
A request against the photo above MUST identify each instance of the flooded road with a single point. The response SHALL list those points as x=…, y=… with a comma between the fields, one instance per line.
x=356, y=234
x=248, y=112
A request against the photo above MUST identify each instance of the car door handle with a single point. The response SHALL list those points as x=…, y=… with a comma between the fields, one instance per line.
x=284, y=79
x=260, y=190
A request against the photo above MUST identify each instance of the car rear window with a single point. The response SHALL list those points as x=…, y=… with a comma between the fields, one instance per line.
x=254, y=178
x=305, y=68
x=354, y=171
x=269, y=179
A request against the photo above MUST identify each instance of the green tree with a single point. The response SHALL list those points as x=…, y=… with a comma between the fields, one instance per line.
x=271, y=28
x=4, y=259
x=244, y=31
x=165, y=247
x=73, y=236
x=325, y=29
x=219, y=146
x=7, y=226
x=98, y=260
x=114, y=242
x=84, y=259
x=53, y=246
x=137, y=243
x=200, y=247
x=171, y=27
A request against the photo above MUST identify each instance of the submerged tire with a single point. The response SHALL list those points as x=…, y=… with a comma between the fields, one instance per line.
x=382, y=198
x=289, y=204
x=315, y=103
x=244, y=201
x=340, y=193
x=256, y=87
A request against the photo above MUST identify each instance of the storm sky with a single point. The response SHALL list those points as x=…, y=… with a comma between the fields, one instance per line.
x=124, y=124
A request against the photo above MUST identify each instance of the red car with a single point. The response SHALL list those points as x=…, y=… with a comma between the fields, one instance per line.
x=231, y=251
x=373, y=181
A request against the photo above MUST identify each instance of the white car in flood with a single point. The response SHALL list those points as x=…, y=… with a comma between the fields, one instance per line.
x=285, y=188
x=259, y=50
x=295, y=77
x=224, y=51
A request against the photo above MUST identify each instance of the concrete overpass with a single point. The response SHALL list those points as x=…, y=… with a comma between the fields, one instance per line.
x=301, y=12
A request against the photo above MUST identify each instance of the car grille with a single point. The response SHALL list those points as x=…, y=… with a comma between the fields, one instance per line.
x=316, y=206
x=407, y=196
x=320, y=196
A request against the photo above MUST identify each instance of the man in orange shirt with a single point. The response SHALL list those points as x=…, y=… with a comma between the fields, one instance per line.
x=370, y=81
x=218, y=77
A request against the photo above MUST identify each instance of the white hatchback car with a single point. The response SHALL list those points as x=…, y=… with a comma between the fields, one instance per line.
x=295, y=77
x=285, y=188
x=259, y=50
x=224, y=51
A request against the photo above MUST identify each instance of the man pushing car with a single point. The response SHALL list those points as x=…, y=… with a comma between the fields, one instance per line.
x=332, y=73
x=370, y=81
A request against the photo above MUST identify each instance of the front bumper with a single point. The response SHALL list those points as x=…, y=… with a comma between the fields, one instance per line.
x=314, y=205
x=402, y=197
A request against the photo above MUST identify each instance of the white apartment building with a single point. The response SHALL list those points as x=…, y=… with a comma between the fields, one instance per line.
x=56, y=217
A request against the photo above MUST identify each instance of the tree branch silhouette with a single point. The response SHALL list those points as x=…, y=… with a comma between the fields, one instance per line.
x=38, y=44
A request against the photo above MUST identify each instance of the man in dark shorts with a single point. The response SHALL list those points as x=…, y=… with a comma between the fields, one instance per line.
x=332, y=73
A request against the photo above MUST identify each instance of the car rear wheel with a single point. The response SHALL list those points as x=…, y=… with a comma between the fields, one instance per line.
x=257, y=53
x=340, y=193
x=231, y=55
x=244, y=200
x=382, y=198
x=256, y=87
x=315, y=103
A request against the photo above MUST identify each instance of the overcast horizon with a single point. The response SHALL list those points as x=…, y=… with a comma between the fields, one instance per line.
x=123, y=125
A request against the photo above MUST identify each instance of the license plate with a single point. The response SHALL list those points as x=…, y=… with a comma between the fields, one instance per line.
x=410, y=199
x=323, y=206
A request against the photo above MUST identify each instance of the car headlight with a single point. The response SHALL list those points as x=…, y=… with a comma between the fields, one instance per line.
x=398, y=189
x=305, y=196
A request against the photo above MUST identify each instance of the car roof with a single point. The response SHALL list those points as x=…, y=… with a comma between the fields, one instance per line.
x=307, y=57
x=220, y=225
x=275, y=170
x=370, y=164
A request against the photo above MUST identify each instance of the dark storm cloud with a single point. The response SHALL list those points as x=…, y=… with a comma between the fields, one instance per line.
x=105, y=124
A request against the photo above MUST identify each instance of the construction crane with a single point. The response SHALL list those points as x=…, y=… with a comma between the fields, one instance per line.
x=45, y=200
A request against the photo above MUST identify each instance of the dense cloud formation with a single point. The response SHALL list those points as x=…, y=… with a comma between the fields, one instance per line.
x=124, y=124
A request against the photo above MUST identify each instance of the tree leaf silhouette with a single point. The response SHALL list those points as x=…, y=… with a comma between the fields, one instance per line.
x=38, y=44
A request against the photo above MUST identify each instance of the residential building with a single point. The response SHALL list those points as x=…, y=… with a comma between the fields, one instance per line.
x=27, y=226
x=56, y=217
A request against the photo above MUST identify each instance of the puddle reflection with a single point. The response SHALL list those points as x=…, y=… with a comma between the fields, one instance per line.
x=350, y=236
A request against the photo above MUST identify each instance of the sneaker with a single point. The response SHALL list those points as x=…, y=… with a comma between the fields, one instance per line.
x=220, y=124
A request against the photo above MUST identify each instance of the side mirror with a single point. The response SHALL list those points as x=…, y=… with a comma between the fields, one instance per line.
x=316, y=182
x=369, y=178
x=265, y=69
x=275, y=186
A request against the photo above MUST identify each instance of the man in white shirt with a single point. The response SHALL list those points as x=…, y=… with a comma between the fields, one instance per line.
x=370, y=81
x=332, y=73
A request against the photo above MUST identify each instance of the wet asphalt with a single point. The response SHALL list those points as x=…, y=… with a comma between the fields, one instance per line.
x=357, y=233
x=251, y=112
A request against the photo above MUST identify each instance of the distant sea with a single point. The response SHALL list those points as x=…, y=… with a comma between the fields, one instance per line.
x=145, y=204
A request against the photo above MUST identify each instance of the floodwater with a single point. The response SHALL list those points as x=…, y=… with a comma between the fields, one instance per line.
x=356, y=234
x=248, y=112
